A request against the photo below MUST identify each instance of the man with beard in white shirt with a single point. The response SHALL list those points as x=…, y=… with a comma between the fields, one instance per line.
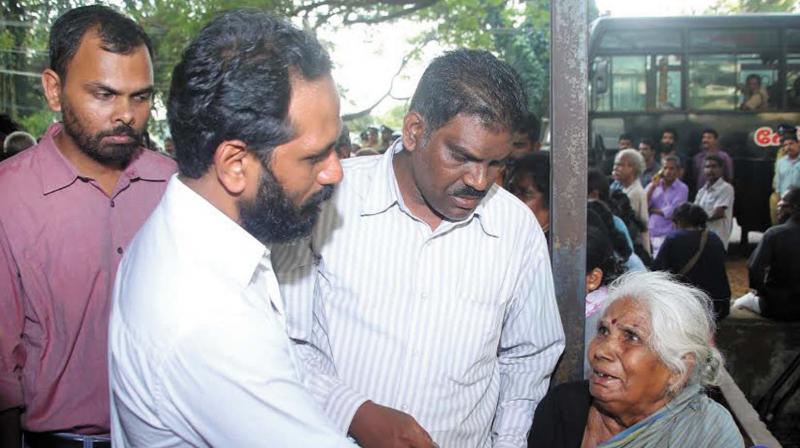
x=199, y=354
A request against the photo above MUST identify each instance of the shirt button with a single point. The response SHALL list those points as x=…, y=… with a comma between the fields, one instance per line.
x=423, y=296
x=112, y=203
x=119, y=250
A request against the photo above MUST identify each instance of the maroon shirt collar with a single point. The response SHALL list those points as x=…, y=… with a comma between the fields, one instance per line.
x=58, y=172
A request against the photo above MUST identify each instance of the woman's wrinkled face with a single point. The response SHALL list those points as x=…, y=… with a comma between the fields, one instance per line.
x=628, y=380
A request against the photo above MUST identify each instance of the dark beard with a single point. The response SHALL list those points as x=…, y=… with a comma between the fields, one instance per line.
x=272, y=217
x=117, y=155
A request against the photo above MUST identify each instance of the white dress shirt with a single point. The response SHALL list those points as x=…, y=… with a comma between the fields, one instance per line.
x=719, y=194
x=458, y=326
x=198, y=350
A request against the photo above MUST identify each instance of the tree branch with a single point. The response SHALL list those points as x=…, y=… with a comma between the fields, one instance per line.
x=406, y=59
x=419, y=5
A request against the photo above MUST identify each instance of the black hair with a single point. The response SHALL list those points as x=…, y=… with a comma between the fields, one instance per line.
x=600, y=254
x=671, y=131
x=473, y=83
x=753, y=76
x=792, y=199
x=597, y=181
x=648, y=142
x=606, y=223
x=711, y=131
x=531, y=126
x=234, y=81
x=689, y=215
x=118, y=34
x=714, y=158
x=536, y=167
x=625, y=137
x=675, y=159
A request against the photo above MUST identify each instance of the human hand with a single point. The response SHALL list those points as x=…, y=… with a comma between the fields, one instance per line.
x=376, y=426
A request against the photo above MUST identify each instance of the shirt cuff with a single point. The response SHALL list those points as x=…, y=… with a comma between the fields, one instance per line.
x=10, y=392
x=343, y=402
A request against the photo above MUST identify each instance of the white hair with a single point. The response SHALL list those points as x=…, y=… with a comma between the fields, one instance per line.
x=634, y=157
x=681, y=322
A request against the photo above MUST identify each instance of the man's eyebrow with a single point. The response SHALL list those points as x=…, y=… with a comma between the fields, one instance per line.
x=322, y=152
x=148, y=89
x=462, y=151
x=97, y=85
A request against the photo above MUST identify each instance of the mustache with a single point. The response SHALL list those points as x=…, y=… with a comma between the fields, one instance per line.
x=318, y=198
x=120, y=131
x=468, y=192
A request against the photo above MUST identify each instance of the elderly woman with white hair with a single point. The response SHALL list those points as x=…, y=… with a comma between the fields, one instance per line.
x=651, y=358
x=628, y=168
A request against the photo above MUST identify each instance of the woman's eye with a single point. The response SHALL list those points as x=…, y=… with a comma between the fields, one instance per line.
x=632, y=336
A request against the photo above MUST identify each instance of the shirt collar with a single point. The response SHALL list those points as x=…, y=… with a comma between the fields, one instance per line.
x=710, y=186
x=214, y=237
x=384, y=192
x=59, y=173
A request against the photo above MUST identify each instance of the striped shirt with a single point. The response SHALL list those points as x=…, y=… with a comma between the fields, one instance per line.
x=456, y=326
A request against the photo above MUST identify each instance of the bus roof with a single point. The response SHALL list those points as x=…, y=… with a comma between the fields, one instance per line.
x=602, y=25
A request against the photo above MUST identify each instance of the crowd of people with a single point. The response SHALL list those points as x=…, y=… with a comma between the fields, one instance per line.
x=258, y=290
x=680, y=220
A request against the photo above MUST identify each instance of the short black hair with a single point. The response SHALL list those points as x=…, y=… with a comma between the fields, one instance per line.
x=600, y=253
x=536, y=167
x=674, y=159
x=118, y=34
x=599, y=214
x=671, y=131
x=792, y=198
x=711, y=131
x=625, y=137
x=473, y=83
x=753, y=76
x=531, y=126
x=597, y=181
x=648, y=142
x=714, y=158
x=234, y=81
x=690, y=215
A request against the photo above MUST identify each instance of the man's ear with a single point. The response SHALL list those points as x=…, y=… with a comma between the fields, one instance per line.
x=51, y=84
x=413, y=130
x=233, y=164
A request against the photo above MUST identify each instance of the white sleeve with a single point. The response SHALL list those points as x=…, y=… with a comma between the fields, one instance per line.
x=241, y=389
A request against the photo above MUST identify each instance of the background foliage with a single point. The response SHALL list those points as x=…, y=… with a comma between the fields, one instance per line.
x=516, y=31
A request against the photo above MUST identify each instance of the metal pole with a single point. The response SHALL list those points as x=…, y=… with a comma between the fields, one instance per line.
x=568, y=87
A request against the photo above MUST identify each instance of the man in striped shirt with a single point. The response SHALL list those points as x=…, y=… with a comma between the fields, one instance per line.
x=432, y=287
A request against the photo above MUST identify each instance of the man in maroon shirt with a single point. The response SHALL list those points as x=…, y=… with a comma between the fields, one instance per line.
x=70, y=207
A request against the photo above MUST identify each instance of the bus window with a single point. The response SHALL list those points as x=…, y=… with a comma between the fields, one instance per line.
x=633, y=40
x=718, y=82
x=627, y=83
x=668, y=82
x=712, y=82
x=793, y=81
x=732, y=40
